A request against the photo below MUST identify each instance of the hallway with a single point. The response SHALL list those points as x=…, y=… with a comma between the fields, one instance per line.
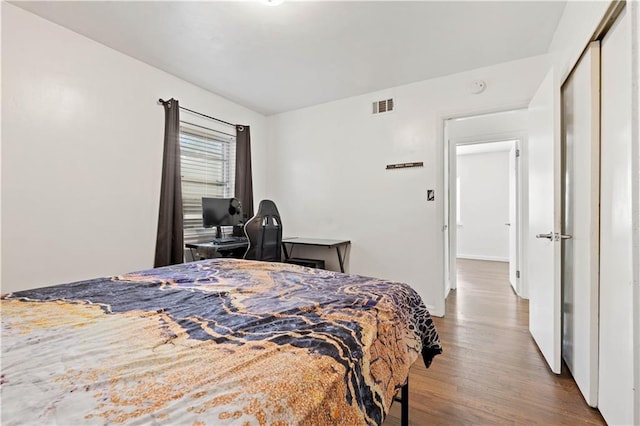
x=491, y=371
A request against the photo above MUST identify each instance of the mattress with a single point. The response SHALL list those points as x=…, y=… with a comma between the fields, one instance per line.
x=220, y=341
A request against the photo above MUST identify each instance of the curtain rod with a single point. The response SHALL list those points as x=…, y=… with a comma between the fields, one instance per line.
x=204, y=115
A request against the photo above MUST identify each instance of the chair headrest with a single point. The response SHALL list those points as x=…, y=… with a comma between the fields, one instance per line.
x=267, y=208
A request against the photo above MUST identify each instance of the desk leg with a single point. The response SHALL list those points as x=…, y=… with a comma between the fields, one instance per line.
x=404, y=408
x=340, y=258
x=284, y=249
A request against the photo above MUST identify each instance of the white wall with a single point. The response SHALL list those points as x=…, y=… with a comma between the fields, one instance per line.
x=484, y=206
x=82, y=137
x=330, y=179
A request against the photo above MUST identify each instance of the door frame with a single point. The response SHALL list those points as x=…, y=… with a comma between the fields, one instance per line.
x=450, y=201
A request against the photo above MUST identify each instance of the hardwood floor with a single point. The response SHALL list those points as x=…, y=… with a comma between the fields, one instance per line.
x=491, y=371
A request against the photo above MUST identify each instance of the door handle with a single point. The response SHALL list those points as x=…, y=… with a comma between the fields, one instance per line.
x=552, y=236
x=507, y=224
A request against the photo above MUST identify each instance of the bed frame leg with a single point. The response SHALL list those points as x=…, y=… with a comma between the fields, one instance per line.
x=404, y=416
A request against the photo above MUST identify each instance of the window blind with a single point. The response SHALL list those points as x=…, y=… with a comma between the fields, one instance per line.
x=208, y=170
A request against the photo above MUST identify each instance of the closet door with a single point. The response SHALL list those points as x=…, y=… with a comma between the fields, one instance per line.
x=580, y=221
x=616, y=397
x=543, y=249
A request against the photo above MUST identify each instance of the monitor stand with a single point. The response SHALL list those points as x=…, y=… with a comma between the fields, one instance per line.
x=218, y=232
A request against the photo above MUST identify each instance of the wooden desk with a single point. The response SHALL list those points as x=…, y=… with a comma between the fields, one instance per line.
x=318, y=242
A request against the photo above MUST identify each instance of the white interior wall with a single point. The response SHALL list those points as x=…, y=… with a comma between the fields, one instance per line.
x=484, y=206
x=329, y=178
x=82, y=140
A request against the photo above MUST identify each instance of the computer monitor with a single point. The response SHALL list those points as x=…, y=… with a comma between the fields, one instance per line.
x=221, y=212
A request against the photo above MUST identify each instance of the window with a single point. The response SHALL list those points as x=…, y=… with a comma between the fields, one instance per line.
x=208, y=170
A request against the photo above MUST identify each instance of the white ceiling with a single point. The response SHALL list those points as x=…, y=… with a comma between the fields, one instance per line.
x=302, y=53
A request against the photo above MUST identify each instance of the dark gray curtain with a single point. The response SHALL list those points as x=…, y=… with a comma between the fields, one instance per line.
x=244, y=181
x=170, y=239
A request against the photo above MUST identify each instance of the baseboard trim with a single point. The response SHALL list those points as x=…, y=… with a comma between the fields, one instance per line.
x=489, y=258
x=435, y=312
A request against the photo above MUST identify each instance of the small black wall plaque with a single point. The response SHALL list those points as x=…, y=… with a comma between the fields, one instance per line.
x=404, y=165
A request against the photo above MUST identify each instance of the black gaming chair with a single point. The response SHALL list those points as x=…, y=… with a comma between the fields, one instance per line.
x=264, y=231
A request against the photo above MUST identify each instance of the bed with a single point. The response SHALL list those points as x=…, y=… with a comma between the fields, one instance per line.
x=220, y=341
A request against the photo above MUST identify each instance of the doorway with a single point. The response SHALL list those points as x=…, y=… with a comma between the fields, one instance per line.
x=489, y=138
x=487, y=203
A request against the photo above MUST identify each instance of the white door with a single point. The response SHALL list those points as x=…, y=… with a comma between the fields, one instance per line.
x=448, y=247
x=543, y=253
x=513, y=218
x=453, y=215
x=616, y=398
x=580, y=220
x=450, y=227
x=445, y=226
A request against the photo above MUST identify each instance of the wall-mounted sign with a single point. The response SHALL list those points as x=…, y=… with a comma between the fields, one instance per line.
x=405, y=165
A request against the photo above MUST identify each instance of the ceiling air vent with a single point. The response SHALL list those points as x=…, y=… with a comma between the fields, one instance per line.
x=383, y=106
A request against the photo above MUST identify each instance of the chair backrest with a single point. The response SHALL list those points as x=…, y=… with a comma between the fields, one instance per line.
x=264, y=232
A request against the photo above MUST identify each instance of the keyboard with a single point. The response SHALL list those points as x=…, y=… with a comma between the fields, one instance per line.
x=230, y=240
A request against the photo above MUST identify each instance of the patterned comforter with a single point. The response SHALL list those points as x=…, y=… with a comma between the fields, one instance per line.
x=220, y=341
